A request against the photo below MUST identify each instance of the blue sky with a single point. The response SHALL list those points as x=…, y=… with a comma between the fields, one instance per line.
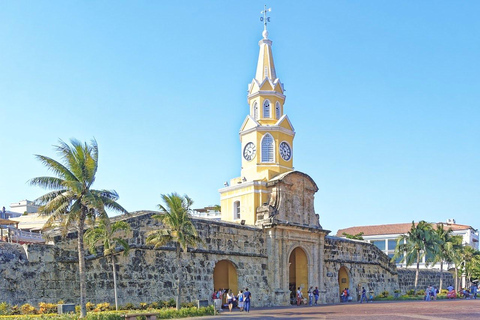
x=384, y=98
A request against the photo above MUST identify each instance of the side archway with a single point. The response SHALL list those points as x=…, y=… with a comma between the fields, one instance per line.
x=225, y=277
x=343, y=280
x=297, y=273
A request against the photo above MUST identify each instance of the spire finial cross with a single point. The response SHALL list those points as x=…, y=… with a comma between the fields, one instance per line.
x=265, y=20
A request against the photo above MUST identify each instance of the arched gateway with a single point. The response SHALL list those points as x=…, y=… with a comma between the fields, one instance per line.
x=298, y=273
x=343, y=281
x=225, y=276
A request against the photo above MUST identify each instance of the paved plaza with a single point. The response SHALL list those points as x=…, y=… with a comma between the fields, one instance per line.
x=401, y=310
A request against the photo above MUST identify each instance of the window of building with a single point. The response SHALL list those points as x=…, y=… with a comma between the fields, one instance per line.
x=265, y=72
x=268, y=148
x=390, y=255
x=236, y=210
x=277, y=110
x=392, y=244
x=266, y=109
x=379, y=244
x=255, y=111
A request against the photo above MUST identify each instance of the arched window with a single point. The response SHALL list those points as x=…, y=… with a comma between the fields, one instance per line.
x=266, y=109
x=236, y=210
x=255, y=111
x=268, y=148
x=277, y=110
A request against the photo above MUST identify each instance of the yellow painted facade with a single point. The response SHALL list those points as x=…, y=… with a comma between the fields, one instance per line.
x=266, y=138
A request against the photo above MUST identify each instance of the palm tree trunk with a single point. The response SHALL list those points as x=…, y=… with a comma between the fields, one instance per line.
x=417, y=271
x=114, y=282
x=441, y=277
x=81, y=267
x=456, y=278
x=179, y=275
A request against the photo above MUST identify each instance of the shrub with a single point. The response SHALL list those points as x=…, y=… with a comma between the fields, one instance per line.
x=171, y=303
x=155, y=305
x=27, y=309
x=15, y=310
x=421, y=292
x=45, y=308
x=444, y=291
x=411, y=292
x=128, y=306
x=4, y=308
x=384, y=294
x=143, y=306
x=90, y=306
x=188, y=305
x=102, y=307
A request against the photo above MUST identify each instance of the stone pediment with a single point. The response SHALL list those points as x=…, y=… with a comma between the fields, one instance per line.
x=291, y=200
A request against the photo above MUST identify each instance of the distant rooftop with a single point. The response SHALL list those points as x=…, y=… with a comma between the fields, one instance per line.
x=397, y=228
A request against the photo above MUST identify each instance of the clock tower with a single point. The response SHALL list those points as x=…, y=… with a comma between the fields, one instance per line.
x=266, y=137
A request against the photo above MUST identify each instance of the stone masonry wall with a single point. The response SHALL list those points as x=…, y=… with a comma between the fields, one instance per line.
x=48, y=273
x=406, y=279
x=367, y=266
x=33, y=273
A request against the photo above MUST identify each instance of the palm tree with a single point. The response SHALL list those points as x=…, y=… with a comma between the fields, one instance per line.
x=419, y=242
x=447, y=244
x=72, y=200
x=177, y=228
x=106, y=234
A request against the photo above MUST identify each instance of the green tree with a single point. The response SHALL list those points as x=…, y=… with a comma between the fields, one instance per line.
x=358, y=236
x=468, y=257
x=177, y=228
x=420, y=241
x=72, y=199
x=447, y=246
x=109, y=235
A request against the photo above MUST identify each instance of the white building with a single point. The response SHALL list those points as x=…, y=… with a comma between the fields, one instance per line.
x=213, y=213
x=385, y=237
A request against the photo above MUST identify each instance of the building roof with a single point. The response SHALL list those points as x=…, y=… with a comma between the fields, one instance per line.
x=397, y=228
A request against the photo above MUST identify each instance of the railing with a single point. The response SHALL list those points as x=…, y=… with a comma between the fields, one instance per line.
x=17, y=235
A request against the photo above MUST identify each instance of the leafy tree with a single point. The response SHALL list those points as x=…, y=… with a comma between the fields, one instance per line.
x=468, y=258
x=358, y=236
x=447, y=246
x=177, y=228
x=420, y=241
x=108, y=234
x=72, y=199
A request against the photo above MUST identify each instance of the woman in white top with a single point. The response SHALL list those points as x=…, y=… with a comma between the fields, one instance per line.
x=230, y=299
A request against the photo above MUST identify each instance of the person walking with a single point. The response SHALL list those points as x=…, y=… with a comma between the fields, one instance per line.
x=316, y=295
x=230, y=299
x=364, y=295
x=246, y=299
x=240, y=300
x=310, y=296
x=299, y=296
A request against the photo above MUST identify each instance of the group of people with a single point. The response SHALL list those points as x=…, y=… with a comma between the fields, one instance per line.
x=431, y=293
x=345, y=296
x=312, y=294
x=241, y=300
x=470, y=294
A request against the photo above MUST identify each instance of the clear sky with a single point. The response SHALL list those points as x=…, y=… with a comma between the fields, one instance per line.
x=384, y=97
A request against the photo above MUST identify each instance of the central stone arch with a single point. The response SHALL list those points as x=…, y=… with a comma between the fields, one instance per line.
x=297, y=272
x=225, y=277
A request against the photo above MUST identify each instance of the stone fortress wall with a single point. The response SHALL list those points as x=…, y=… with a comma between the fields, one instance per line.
x=48, y=273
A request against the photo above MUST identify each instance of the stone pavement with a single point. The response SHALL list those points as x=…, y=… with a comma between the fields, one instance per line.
x=391, y=310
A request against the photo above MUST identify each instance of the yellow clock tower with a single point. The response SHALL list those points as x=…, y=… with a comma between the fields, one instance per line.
x=266, y=138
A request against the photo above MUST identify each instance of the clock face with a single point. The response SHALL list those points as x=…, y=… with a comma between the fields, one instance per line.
x=285, y=151
x=249, y=151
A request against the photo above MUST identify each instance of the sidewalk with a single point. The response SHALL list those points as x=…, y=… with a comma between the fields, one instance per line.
x=390, y=310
